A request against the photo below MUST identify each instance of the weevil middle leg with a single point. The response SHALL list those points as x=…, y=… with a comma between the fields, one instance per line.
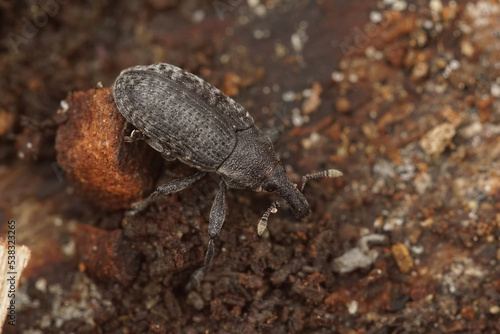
x=216, y=220
x=165, y=189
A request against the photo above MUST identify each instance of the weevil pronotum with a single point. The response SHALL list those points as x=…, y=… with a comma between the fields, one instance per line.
x=185, y=118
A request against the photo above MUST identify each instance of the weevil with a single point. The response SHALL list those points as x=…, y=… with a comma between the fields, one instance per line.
x=183, y=117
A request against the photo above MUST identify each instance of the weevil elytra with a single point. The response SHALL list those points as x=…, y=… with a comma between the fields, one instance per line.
x=185, y=118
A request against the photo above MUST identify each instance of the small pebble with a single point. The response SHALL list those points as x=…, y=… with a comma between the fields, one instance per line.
x=343, y=104
x=400, y=6
x=375, y=17
x=260, y=10
x=307, y=92
x=253, y=3
x=353, y=78
x=261, y=34
x=195, y=299
x=338, y=76
x=495, y=90
x=297, y=42
x=467, y=49
x=351, y=260
x=352, y=307
x=494, y=309
x=436, y=140
x=378, y=223
x=288, y=96
x=297, y=119
x=420, y=70
x=41, y=285
x=436, y=7
x=417, y=249
x=198, y=16
x=422, y=182
x=427, y=24
x=454, y=65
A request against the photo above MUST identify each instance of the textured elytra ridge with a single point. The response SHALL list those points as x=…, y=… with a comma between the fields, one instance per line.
x=181, y=114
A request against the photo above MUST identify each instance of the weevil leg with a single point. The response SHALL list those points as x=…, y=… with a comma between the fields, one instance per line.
x=216, y=220
x=135, y=135
x=326, y=173
x=165, y=189
x=167, y=155
x=196, y=278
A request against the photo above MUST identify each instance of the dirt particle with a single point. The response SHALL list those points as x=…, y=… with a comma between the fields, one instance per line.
x=343, y=104
x=314, y=101
x=436, y=140
x=403, y=258
x=6, y=121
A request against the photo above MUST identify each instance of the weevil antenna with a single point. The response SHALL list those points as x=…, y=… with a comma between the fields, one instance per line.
x=326, y=173
x=262, y=225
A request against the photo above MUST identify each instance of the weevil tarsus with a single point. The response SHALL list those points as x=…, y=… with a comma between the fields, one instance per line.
x=165, y=189
x=196, y=278
x=135, y=135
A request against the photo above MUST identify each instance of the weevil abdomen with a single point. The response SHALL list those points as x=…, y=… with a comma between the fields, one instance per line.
x=181, y=114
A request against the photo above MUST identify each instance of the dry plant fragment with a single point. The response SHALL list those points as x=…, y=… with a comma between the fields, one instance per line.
x=403, y=258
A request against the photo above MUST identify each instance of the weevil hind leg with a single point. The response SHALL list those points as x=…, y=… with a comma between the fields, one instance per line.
x=163, y=190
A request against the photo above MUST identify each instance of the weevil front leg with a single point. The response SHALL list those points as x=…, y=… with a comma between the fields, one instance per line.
x=163, y=190
x=135, y=135
x=216, y=220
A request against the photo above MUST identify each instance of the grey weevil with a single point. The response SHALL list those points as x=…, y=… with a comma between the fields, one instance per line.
x=185, y=118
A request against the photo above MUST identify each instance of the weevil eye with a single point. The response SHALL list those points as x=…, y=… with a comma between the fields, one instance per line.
x=270, y=186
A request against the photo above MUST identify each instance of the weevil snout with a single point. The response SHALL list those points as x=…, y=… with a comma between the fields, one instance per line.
x=297, y=201
x=278, y=181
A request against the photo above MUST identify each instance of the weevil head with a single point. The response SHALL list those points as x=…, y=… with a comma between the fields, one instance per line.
x=253, y=165
x=278, y=181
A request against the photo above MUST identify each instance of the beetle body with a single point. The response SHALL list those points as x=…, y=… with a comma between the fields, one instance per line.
x=185, y=118
x=181, y=114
